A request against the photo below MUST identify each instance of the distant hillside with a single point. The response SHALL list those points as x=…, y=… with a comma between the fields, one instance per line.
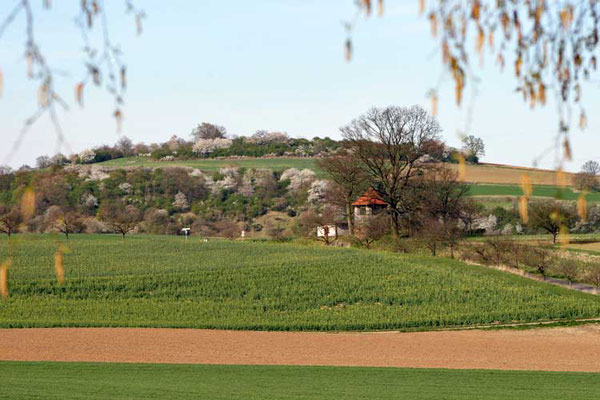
x=480, y=173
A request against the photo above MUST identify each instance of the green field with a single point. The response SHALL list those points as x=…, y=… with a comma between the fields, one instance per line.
x=209, y=165
x=163, y=281
x=43, y=380
x=538, y=191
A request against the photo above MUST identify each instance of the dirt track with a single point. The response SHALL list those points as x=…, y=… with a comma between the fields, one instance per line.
x=558, y=349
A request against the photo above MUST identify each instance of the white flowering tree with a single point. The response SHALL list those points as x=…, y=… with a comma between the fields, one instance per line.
x=299, y=179
x=317, y=192
x=204, y=147
x=181, y=202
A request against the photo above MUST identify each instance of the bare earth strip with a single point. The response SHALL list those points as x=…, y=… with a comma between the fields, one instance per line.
x=551, y=349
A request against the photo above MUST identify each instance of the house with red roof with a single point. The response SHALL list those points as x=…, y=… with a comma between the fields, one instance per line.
x=370, y=203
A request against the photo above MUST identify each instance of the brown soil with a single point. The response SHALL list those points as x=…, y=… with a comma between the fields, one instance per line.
x=552, y=349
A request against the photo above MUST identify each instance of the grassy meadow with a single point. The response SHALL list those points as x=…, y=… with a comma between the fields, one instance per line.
x=164, y=281
x=211, y=165
x=29, y=380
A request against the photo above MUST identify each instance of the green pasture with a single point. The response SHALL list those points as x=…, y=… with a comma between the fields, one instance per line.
x=45, y=380
x=210, y=165
x=164, y=281
x=538, y=191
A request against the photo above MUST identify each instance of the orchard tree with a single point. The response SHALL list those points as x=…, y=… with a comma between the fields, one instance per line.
x=121, y=218
x=551, y=216
x=10, y=219
x=65, y=222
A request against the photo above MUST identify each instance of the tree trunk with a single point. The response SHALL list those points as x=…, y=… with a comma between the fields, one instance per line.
x=396, y=223
x=554, y=237
x=349, y=218
x=451, y=251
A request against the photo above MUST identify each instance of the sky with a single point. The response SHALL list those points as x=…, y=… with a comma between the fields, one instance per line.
x=270, y=64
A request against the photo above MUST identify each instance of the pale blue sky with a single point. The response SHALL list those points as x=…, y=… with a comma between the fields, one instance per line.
x=268, y=64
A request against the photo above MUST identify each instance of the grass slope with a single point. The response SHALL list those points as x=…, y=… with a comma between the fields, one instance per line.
x=210, y=165
x=27, y=380
x=538, y=191
x=162, y=281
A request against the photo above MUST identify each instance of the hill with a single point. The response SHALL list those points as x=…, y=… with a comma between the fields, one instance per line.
x=165, y=281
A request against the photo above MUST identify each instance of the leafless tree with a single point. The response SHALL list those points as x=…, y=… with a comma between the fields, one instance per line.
x=473, y=147
x=471, y=210
x=567, y=267
x=125, y=145
x=386, y=143
x=586, y=181
x=65, y=222
x=122, y=219
x=593, y=274
x=551, y=216
x=206, y=130
x=227, y=229
x=444, y=196
x=349, y=180
x=591, y=167
x=311, y=221
x=369, y=230
x=540, y=259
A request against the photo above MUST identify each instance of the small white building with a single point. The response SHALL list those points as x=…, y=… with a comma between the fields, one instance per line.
x=327, y=231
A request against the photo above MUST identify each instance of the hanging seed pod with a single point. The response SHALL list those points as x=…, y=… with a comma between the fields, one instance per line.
x=526, y=185
x=582, y=121
x=567, y=150
x=434, y=104
x=4, y=277
x=59, y=267
x=433, y=24
x=563, y=235
x=462, y=167
x=348, y=50
x=27, y=204
x=582, y=208
x=118, y=114
x=79, y=93
x=123, y=77
x=523, y=211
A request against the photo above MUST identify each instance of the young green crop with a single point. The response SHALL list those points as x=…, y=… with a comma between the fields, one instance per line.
x=164, y=281
x=44, y=380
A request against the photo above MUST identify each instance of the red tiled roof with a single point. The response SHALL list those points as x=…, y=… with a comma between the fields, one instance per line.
x=370, y=198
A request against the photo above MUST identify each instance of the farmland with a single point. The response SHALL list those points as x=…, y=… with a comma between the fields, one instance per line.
x=164, y=281
x=26, y=380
